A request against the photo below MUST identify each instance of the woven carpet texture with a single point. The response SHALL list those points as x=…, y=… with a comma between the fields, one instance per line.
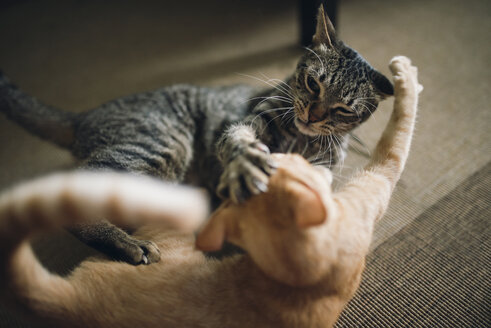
x=430, y=261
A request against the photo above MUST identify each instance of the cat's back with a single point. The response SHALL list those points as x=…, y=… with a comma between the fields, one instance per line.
x=180, y=100
x=177, y=111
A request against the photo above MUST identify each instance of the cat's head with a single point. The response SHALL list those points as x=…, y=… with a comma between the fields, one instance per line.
x=283, y=229
x=334, y=89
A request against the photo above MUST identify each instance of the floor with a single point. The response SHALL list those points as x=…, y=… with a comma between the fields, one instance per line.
x=75, y=55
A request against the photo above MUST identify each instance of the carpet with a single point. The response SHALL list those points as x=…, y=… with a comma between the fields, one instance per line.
x=435, y=271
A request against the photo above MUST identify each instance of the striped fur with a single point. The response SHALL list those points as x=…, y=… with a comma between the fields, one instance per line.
x=217, y=138
x=305, y=246
x=68, y=198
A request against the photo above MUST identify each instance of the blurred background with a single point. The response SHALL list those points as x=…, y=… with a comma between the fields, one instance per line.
x=431, y=257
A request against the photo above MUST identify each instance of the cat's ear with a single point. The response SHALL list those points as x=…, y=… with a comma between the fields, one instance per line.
x=324, y=32
x=309, y=209
x=382, y=84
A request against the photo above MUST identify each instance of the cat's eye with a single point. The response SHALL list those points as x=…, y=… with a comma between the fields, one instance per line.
x=343, y=111
x=313, y=86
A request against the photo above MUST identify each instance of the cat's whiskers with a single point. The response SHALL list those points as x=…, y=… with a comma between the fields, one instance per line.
x=282, y=98
x=291, y=117
x=320, y=147
x=278, y=82
x=364, y=105
x=367, y=103
x=288, y=109
x=292, y=145
x=304, y=149
x=339, y=148
x=313, y=141
x=266, y=111
x=320, y=162
x=356, y=113
x=266, y=99
x=328, y=147
x=285, y=92
x=360, y=142
x=282, y=83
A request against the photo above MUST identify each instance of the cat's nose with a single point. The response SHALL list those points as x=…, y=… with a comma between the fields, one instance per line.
x=316, y=114
x=313, y=118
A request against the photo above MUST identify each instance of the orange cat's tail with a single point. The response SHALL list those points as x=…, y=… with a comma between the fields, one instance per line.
x=70, y=198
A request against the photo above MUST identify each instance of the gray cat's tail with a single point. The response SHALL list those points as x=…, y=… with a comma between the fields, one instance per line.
x=37, y=118
x=70, y=198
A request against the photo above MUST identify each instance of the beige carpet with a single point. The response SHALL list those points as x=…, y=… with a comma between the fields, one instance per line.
x=435, y=271
x=77, y=54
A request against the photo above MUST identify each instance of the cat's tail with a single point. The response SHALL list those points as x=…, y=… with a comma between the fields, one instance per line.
x=70, y=198
x=39, y=119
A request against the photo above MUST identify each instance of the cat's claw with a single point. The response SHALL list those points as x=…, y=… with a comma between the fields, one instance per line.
x=247, y=174
x=135, y=251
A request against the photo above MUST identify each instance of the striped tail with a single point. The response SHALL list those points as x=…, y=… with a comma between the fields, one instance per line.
x=65, y=199
x=37, y=118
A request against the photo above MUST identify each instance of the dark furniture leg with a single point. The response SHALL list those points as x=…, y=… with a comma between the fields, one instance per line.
x=308, y=13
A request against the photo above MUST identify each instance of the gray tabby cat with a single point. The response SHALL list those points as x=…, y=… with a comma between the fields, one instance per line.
x=212, y=137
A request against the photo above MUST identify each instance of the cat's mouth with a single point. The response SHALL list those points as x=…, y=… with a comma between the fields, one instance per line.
x=305, y=128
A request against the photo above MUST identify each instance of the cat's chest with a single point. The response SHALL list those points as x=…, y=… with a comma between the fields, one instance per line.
x=315, y=150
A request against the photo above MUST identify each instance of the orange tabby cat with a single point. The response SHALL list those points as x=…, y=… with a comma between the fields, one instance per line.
x=305, y=247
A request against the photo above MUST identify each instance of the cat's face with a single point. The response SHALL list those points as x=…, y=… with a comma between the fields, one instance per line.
x=334, y=89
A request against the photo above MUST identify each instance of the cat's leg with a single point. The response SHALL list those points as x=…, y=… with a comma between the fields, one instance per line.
x=116, y=243
x=247, y=163
x=167, y=158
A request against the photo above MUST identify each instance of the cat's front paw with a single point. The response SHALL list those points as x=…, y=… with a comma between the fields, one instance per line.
x=247, y=173
x=405, y=75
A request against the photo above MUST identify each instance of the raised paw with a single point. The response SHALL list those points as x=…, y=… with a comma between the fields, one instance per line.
x=135, y=251
x=247, y=173
x=405, y=75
